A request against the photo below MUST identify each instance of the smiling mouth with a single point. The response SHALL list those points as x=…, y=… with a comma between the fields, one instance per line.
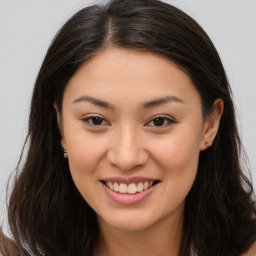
x=132, y=188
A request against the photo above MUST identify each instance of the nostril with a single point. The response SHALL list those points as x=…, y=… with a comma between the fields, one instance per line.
x=126, y=159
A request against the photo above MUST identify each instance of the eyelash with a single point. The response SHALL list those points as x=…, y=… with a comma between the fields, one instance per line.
x=164, y=121
x=89, y=120
x=167, y=121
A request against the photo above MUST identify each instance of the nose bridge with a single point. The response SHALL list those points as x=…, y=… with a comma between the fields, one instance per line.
x=127, y=150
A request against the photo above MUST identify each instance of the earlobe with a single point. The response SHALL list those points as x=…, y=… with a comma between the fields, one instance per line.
x=211, y=125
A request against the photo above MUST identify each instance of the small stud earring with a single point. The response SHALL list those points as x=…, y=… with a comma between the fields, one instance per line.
x=207, y=144
x=65, y=153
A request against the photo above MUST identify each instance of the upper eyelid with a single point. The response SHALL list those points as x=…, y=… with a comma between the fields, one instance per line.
x=170, y=119
x=88, y=116
x=93, y=115
x=161, y=116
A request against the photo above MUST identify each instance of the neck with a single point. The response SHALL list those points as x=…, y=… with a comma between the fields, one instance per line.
x=160, y=239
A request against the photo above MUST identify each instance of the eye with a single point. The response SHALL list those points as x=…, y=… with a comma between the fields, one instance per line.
x=160, y=121
x=95, y=121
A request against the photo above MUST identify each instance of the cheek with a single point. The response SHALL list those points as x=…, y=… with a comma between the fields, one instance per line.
x=178, y=157
x=179, y=152
x=84, y=162
x=179, y=163
x=85, y=152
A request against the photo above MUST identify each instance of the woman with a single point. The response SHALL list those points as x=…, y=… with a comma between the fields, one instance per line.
x=133, y=146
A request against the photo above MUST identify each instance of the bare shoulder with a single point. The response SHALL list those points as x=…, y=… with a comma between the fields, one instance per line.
x=251, y=251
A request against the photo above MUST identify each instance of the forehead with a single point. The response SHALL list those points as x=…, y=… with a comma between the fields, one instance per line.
x=117, y=73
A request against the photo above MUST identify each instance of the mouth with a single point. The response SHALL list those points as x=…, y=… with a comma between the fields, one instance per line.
x=129, y=188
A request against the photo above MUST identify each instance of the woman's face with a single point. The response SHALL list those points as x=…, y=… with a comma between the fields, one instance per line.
x=133, y=127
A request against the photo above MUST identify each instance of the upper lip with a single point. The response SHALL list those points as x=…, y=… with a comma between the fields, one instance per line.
x=129, y=180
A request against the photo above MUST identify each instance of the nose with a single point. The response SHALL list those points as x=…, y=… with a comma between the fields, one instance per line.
x=126, y=150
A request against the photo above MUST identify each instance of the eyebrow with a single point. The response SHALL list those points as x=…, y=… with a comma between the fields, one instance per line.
x=94, y=101
x=149, y=104
x=161, y=101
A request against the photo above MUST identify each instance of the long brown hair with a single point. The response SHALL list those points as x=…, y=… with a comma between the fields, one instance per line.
x=48, y=216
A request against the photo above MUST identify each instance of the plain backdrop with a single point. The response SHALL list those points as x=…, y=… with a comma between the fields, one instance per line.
x=27, y=28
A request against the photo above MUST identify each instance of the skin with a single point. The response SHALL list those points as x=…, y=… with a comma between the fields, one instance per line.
x=126, y=143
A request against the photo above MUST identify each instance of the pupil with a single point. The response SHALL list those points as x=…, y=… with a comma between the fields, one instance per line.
x=97, y=120
x=158, y=121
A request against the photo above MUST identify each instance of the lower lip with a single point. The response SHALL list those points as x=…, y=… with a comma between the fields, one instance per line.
x=128, y=199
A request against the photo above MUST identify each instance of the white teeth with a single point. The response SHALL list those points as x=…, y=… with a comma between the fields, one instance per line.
x=145, y=185
x=123, y=188
x=116, y=187
x=111, y=186
x=140, y=187
x=129, y=189
x=132, y=189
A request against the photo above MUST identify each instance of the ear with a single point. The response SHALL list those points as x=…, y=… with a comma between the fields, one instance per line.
x=60, y=125
x=211, y=125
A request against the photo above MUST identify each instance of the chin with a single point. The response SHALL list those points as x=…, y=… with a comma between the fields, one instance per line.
x=130, y=221
x=131, y=226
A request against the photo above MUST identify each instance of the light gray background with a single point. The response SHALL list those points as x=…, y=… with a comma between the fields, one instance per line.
x=27, y=27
